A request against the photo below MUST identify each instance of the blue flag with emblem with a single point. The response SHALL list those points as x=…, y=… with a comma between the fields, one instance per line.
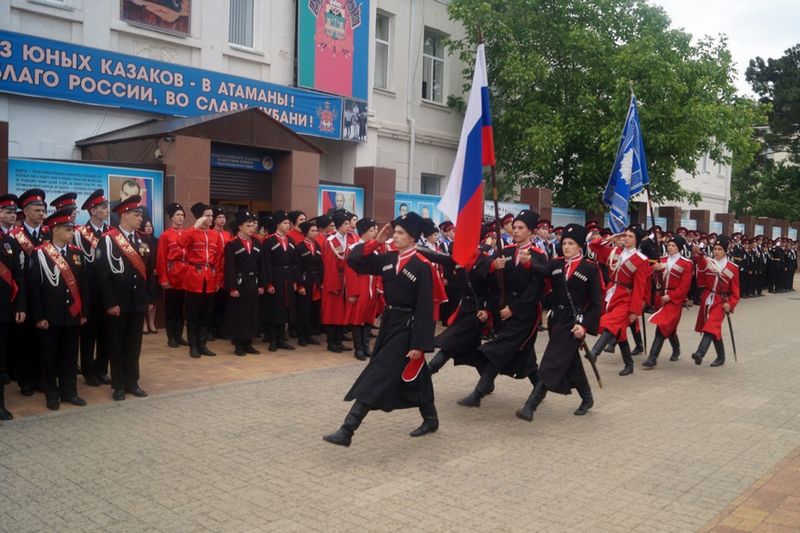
x=629, y=173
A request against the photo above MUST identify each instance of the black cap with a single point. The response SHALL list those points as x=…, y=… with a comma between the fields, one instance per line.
x=679, y=241
x=198, y=209
x=97, y=198
x=649, y=248
x=364, y=225
x=279, y=216
x=638, y=231
x=724, y=241
x=412, y=223
x=173, y=208
x=31, y=197
x=576, y=232
x=430, y=227
x=219, y=211
x=306, y=226
x=323, y=221
x=294, y=215
x=529, y=217
x=340, y=216
x=446, y=226
x=243, y=216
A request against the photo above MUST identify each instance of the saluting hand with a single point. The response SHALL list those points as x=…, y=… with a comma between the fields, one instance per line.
x=384, y=234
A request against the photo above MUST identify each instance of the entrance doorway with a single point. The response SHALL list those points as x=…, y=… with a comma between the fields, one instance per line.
x=233, y=189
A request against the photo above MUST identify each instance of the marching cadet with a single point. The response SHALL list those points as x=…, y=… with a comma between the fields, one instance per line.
x=511, y=352
x=309, y=277
x=674, y=274
x=93, y=338
x=58, y=290
x=362, y=294
x=396, y=376
x=506, y=232
x=243, y=269
x=279, y=264
x=171, y=270
x=430, y=240
x=447, y=234
x=625, y=295
x=12, y=290
x=577, y=302
x=542, y=238
x=125, y=284
x=334, y=304
x=204, y=259
x=220, y=219
x=30, y=234
x=720, y=296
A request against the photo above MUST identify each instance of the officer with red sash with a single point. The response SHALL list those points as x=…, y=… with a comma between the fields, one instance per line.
x=205, y=258
x=125, y=286
x=94, y=347
x=12, y=290
x=720, y=296
x=30, y=234
x=58, y=290
x=171, y=269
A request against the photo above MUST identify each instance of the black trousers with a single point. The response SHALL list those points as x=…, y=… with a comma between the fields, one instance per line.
x=173, y=312
x=5, y=339
x=125, y=346
x=59, y=351
x=94, y=346
x=199, y=312
x=218, y=316
x=28, y=354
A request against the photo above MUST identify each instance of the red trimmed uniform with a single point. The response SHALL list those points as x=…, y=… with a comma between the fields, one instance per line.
x=675, y=280
x=171, y=269
x=720, y=285
x=204, y=264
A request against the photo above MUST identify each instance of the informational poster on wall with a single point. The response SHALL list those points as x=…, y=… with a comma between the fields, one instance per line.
x=504, y=208
x=333, y=197
x=333, y=46
x=56, y=178
x=425, y=205
x=776, y=232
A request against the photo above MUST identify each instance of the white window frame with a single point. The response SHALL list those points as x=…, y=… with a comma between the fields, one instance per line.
x=388, y=44
x=257, y=18
x=430, y=97
x=58, y=4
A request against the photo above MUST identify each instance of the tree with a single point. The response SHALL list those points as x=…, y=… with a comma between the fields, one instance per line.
x=777, y=82
x=559, y=73
x=767, y=191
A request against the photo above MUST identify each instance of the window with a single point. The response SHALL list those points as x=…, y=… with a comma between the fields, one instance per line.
x=240, y=28
x=382, y=51
x=432, y=66
x=430, y=184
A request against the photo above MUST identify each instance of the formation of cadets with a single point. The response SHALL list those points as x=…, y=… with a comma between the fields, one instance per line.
x=78, y=299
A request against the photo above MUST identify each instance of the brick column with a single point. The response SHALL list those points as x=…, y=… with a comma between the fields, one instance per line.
x=727, y=222
x=187, y=158
x=703, y=218
x=672, y=214
x=379, y=187
x=749, y=224
x=640, y=214
x=295, y=182
x=540, y=200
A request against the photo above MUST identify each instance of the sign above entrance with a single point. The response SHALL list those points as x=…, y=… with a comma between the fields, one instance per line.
x=33, y=66
x=224, y=156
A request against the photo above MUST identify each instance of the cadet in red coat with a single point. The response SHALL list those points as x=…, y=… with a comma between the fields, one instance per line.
x=171, y=269
x=720, y=296
x=204, y=258
x=675, y=275
x=629, y=274
x=362, y=293
x=334, y=305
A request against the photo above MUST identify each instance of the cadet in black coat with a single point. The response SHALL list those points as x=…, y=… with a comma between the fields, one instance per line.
x=279, y=273
x=243, y=269
x=577, y=303
x=309, y=281
x=396, y=376
x=511, y=352
x=58, y=290
x=13, y=303
x=125, y=285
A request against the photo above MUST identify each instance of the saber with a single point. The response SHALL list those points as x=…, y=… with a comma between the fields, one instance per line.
x=644, y=331
x=592, y=362
x=733, y=339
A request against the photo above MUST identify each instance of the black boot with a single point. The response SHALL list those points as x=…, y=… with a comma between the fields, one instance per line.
x=430, y=420
x=280, y=338
x=344, y=434
x=705, y=342
x=194, y=349
x=271, y=338
x=340, y=339
x=4, y=414
x=239, y=348
x=605, y=339
x=533, y=401
x=719, y=346
x=310, y=337
x=638, y=349
x=302, y=334
x=485, y=384
x=627, y=358
x=179, y=333
x=330, y=332
x=358, y=350
x=587, y=401
x=201, y=344
x=365, y=340
x=172, y=337
x=611, y=346
x=676, y=347
x=655, y=349
x=438, y=361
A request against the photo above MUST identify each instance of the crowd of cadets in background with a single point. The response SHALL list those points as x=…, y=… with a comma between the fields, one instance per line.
x=77, y=299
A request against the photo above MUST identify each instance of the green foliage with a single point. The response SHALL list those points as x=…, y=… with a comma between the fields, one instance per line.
x=559, y=73
x=769, y=190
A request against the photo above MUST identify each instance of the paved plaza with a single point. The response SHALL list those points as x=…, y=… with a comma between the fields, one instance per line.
x=680, y=448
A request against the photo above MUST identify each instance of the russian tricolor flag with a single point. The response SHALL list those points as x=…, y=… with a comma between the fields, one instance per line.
x=462, y=201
